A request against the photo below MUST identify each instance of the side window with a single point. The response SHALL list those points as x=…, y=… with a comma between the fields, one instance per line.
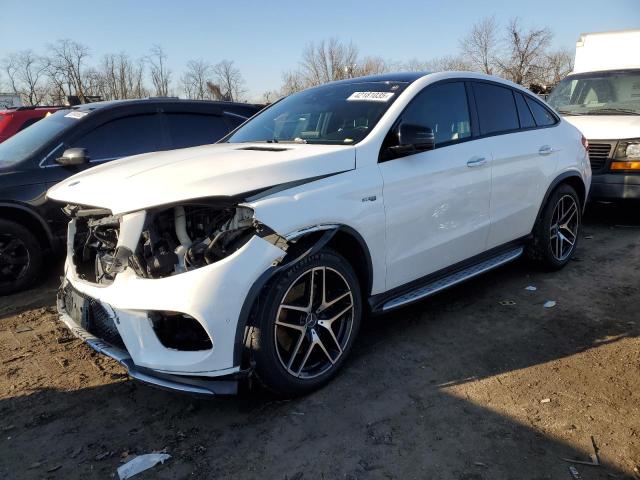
x=234, y=120
x=191, y=130
x=496, y=108
x=122, y=137
x=444, y=109
x=543, y=116
x=526, y=119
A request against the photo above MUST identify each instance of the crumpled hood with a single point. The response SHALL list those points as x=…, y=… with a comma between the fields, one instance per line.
x=606, y=127
x=226, y=169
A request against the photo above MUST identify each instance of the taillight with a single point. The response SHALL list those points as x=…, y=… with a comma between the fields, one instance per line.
x=585, y=143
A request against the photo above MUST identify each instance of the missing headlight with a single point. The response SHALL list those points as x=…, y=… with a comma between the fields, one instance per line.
x=187, y=237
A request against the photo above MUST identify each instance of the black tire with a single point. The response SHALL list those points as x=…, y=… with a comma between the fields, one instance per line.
x=269, y=341
x=543, y=249
x=17, y=243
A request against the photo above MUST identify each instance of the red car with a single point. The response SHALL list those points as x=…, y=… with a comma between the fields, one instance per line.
x=12, y=120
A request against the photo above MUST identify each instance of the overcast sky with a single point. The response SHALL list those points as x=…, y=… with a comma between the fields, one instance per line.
x=265, y=38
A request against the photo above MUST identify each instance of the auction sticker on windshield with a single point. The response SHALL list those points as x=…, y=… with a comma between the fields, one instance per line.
x=370, y=96
x=76, y=114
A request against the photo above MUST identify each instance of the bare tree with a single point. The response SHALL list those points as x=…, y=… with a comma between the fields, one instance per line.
x=27, y=76
x=122, y=77
x=448, y=63
x=525, y=52
x=160, y=74
x=194, y=79
x=328, y=60
x=230, y=80
x=557, y=65
x=292, y=82
x=372, y=66
x=66, y=67
x=439, y=64
x=270, y=96
x=480, y=46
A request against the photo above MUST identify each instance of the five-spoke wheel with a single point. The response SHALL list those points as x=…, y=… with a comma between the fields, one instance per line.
x=556, y=232
x=565, y=222
x=307, y=323
x=314, y=322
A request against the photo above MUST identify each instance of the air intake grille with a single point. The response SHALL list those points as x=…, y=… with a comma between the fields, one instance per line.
x=100, y=323
x=598, y=154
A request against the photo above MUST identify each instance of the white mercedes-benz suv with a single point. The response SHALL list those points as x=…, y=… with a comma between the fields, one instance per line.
x=261, y=254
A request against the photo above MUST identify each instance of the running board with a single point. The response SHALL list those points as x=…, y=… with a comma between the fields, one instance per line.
x=453, y=279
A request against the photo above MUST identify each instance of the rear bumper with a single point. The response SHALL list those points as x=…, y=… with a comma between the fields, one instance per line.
x=613, y=186
x=198, y=386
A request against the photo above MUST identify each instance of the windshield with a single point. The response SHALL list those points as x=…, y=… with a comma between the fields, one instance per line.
x=336, y=114
x=28, y=141
x=598, y=93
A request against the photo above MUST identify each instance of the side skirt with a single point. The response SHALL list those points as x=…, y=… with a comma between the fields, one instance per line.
x=448, y=277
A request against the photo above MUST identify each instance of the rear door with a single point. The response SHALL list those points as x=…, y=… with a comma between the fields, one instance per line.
x=189, y=129
x=522, y=156
x=437, y=202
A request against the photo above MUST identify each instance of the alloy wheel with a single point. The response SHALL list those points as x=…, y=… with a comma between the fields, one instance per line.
x=563, y=233
x=314, y=322
x=14, y=258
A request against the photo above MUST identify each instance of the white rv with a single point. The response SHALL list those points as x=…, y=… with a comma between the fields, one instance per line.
x=602, y=98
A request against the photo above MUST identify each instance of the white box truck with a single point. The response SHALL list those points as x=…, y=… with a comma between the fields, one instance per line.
x=601, y=97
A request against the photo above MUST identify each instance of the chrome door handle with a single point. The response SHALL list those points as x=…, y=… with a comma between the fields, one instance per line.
x=476, y=162
x=545, y=150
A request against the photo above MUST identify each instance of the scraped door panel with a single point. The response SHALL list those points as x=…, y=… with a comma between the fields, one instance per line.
x=437, y=209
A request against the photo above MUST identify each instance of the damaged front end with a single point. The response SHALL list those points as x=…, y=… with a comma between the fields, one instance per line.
x=162, y=290
x=171, y=240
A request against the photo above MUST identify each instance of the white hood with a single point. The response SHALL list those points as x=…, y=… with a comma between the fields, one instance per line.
x=606, y=127
x=226, y=169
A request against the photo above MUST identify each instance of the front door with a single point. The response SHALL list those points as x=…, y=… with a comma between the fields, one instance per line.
x=437, y=202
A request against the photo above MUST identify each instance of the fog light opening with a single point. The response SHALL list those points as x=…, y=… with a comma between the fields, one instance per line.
x=179, y=331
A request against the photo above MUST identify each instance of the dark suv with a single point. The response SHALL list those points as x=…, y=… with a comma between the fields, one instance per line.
x=77, y=138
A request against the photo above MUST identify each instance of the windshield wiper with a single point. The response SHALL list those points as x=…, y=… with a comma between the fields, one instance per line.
x=615, y=111
x=295, y=140
x=567, y=112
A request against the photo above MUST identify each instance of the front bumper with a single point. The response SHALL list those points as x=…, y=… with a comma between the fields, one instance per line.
x=198, y=386
x=615, y=186
x=213, y=295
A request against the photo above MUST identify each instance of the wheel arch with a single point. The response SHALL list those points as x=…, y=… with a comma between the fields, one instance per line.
x=29, y=219
x=343, y=239
x=571, y=178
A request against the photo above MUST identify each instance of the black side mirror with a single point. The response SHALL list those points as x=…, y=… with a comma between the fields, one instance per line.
x=413, y=138
x=73, y=156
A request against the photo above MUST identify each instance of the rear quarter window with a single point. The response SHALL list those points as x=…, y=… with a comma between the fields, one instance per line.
x=526, y=118
x=496, y=108
x=542, y=115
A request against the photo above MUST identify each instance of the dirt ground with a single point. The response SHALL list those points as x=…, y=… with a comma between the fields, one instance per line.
x=455, y=387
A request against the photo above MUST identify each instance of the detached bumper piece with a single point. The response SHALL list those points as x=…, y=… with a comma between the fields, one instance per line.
x=90, y=321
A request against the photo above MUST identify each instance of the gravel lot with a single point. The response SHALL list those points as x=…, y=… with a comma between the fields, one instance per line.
x=455, y=387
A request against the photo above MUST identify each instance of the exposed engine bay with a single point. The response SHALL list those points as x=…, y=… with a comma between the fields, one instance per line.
x=173, y=240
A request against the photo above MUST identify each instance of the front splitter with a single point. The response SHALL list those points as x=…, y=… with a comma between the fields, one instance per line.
x=197, y=386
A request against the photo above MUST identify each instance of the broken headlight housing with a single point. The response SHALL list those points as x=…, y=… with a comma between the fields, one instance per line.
x=186, y=237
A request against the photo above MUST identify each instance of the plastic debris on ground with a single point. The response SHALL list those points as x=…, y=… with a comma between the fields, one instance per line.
x=140, y=464
x=545, y=400
x=574, y=473
x=549, y=304
x=531, y=288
